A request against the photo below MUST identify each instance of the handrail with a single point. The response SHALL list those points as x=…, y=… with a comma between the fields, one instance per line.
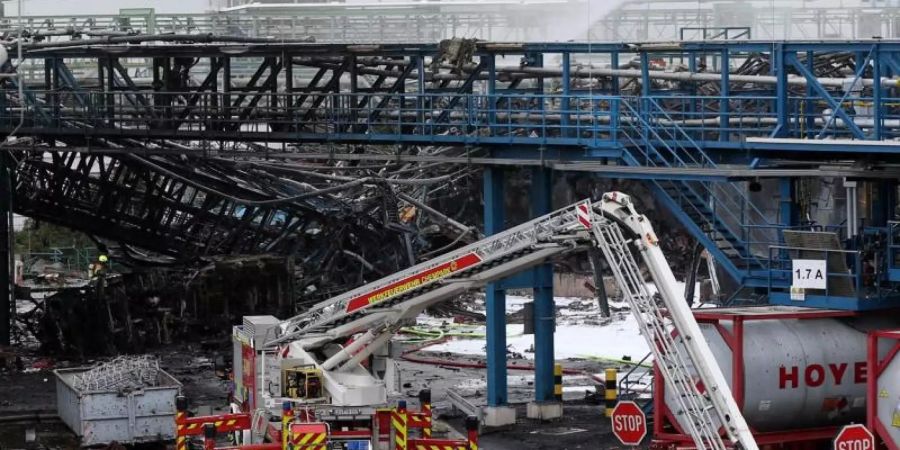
x=700, y=151
x=736, y=218
x=854, y=273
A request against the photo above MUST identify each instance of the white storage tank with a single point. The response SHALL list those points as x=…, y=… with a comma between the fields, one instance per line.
x=804, y=372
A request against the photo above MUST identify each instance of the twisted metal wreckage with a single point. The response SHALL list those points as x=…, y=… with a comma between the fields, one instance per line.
x=172, y=217
x=161, y=195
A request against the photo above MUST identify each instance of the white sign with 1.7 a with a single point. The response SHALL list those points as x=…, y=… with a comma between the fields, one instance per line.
x=809, y=274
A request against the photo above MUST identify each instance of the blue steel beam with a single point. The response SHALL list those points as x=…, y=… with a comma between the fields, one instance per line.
x=544, y=306
x=495, y=296
x=835, y=106
x=877, y=92
x=781, y=90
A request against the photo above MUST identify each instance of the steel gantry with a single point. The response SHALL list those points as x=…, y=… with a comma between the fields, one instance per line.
x=702, y=122
x=668, y=110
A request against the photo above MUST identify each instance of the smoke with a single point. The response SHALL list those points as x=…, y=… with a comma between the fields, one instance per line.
x=101, y=7
x=545, y=20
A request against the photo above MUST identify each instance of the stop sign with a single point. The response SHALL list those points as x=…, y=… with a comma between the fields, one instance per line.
x=629, y=423
x=854, y=437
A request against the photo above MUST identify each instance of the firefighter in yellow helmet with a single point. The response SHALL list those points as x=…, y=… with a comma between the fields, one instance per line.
x=99, y=267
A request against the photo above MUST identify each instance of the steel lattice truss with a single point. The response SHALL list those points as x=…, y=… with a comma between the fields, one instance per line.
x=362, y=123
x=180, y=209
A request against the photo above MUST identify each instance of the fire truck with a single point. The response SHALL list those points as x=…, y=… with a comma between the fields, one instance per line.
x=332, y=360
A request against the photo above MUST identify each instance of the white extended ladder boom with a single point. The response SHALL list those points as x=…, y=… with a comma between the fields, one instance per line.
x=672, y=332
x=682, y=354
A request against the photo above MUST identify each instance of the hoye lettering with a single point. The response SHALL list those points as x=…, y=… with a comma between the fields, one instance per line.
x=815, y=375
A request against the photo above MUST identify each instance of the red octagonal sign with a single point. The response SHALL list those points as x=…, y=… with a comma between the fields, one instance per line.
x=854, y=437
x=629, y=423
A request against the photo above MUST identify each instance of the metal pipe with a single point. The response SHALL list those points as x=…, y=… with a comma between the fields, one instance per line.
x=850, y=187
x=140, y=39
x=347, y=351
x=436, y=213
x=381, y=340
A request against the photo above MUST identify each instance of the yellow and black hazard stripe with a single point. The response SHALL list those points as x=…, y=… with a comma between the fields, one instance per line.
x=180, y=439
x=309, y=441
x=181, y=405
x=557, y=382
x=401, y=431
x=611, y=392
x=440, y=447
x=425, y=402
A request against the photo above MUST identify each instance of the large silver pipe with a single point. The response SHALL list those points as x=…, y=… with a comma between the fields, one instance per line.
x=380, y=341
x=347, y=352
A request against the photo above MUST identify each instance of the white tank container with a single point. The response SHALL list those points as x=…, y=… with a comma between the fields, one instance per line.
x=797, y=373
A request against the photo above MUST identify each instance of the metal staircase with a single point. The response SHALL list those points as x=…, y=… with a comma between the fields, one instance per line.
x=719, y=214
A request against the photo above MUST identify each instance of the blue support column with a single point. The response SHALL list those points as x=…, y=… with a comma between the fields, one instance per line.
x=566, y=91
x=544, y=308
x=692, y=87
x=614, y=62
x=809, y=103
x=491, y=62
x=420, y=98
x=787, y=217
x=877, y=93
x=645, y=74
x=779, y=69
x=725, y=92
x=495, y=301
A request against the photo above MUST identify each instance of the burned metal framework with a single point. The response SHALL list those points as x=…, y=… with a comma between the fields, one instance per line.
x=370, y=129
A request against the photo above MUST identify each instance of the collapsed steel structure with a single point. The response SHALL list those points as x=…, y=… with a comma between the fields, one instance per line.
x=167, y=143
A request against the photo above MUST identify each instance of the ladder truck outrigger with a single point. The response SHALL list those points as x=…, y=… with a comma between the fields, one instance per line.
x=333, y=355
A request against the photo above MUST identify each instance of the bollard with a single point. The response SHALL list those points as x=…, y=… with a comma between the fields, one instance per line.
x=287, y=416
x=209, y=436
x=611, y=393
x=399, y=422
x=472, y=432
x=180, y=415
x=425, y=404
x=557, y=382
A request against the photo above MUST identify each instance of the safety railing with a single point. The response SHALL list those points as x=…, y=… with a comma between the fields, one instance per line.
x=65, y=258
x=893, y=249
x=860, y=280
x=724, y=209
x=725, y=198
x=710, y=119
x=510, y=118
x=688, y=123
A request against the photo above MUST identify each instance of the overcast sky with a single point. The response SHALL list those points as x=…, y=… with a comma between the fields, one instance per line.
x=55, y=7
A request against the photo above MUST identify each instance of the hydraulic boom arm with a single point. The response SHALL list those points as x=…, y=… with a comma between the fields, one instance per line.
x=375, y=311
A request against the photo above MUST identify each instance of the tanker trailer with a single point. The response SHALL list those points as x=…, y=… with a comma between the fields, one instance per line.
x=790, y=369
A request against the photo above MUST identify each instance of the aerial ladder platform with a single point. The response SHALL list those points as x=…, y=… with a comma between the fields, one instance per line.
x=335, y=337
